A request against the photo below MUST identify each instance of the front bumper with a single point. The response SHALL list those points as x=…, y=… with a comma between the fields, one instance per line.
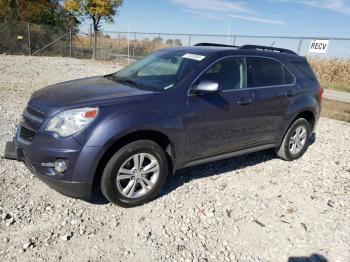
x=63, y=183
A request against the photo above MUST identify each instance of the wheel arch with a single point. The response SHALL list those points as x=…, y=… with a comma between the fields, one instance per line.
x=308, y=114
x=158, y=137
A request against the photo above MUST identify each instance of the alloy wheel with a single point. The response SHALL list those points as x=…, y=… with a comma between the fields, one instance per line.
x=297, y=140
x=137, y=175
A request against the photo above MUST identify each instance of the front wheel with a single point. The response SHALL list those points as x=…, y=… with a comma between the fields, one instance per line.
x=296, y=140
x=135, y=174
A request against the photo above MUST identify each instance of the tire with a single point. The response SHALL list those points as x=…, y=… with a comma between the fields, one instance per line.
x=285, y=151
x=124, y=186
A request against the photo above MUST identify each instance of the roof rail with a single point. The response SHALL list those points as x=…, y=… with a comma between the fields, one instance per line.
x=268, y=48
x=252, y=47
x=213, y=44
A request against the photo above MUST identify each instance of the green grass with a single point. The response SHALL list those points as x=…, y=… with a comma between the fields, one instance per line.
x=344, y=87
x=336, y=110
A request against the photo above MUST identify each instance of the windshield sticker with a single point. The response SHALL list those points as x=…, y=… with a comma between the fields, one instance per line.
x=194, y=57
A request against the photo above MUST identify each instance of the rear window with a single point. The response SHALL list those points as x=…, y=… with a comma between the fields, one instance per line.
x=305, y=69
x=267, y=72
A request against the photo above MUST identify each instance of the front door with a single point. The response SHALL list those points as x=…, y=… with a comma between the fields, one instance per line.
x=220, y=122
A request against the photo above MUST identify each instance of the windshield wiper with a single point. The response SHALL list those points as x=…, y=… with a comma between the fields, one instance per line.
x=127, y=81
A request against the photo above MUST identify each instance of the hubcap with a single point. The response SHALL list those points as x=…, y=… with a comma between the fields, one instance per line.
x=137, y=175
x=297, y=140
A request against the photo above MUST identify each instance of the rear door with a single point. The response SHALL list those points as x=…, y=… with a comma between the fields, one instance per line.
x=274, y=88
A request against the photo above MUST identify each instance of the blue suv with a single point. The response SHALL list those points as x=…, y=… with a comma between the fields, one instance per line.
x=124, y=133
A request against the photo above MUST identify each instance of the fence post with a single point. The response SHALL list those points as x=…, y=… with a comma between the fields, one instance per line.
x=133, y=46
x=29, y=40
x=189, y=39
x=70, y=42
x=159, y=41
x=103, y=50
x=118, y=48
x=94, y=47
x=128, y=47
x=300, y=44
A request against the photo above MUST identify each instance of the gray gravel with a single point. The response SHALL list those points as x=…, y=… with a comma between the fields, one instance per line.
x=249, y=208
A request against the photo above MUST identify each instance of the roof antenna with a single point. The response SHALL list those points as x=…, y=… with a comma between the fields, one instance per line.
x=273, y=43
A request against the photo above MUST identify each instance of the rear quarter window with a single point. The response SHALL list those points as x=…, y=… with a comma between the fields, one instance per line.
x=267, y=72
x=305, y=71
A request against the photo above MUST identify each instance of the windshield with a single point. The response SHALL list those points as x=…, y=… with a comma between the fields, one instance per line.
x=159, y=71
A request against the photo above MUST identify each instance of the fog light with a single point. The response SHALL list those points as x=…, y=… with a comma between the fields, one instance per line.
x=60, y=165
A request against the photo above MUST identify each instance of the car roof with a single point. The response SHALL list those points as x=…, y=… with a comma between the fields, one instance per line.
x=227, y=51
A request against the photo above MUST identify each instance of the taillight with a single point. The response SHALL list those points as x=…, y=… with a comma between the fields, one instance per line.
x=320, y=93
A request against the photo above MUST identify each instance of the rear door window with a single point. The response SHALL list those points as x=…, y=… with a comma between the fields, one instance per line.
x=264, y=72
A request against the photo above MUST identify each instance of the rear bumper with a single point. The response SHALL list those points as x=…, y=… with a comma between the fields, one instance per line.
x=71, y=188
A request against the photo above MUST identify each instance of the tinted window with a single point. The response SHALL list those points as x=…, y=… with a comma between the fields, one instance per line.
x=305, y=69
x=267, y=72
x=288, y=77
x=228, y=73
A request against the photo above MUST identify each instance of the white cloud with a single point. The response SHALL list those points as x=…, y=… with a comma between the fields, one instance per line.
x=223, y=9
x=213, y=5
x=258, y=19
x=333, y=5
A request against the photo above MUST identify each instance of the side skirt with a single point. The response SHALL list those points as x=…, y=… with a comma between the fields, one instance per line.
x=228, y=155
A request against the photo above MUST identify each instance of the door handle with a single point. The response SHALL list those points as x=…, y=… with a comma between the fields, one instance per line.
x=291, y=93
x=244, y=101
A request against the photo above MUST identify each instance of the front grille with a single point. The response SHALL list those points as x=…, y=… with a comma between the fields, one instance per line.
x=26, y=134
x=35, y=112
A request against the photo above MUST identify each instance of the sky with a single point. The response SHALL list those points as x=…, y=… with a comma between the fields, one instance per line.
x=297, y=18
x=255, y=17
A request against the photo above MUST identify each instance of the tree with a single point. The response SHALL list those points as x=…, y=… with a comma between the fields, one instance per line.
x=177, y=42
x=49, y=12
x=157, y=40
x=169, y=42
x=96, y=10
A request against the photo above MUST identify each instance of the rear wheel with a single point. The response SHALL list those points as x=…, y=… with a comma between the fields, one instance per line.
x=135, y=174
x=296, y=140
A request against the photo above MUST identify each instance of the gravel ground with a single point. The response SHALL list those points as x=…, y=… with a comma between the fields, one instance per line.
x=249, y=208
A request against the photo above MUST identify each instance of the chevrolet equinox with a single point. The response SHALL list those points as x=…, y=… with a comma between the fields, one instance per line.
x=124, y=133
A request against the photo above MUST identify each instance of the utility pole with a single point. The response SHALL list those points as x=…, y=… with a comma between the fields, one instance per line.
x=228, y=32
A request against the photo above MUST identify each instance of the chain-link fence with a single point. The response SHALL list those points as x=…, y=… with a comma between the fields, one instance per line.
x=34, y=39
x=21, y=38
x=123, y=48
x=113, y=45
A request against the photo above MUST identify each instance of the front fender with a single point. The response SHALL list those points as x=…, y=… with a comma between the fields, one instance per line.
x=114, y=126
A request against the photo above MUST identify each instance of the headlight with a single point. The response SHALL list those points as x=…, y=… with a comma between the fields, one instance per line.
x=71, y=122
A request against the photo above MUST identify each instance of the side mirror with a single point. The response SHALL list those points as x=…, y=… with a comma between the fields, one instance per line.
x=205, y=86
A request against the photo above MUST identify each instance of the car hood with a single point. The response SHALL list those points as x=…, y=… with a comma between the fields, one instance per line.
x=92, y=91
